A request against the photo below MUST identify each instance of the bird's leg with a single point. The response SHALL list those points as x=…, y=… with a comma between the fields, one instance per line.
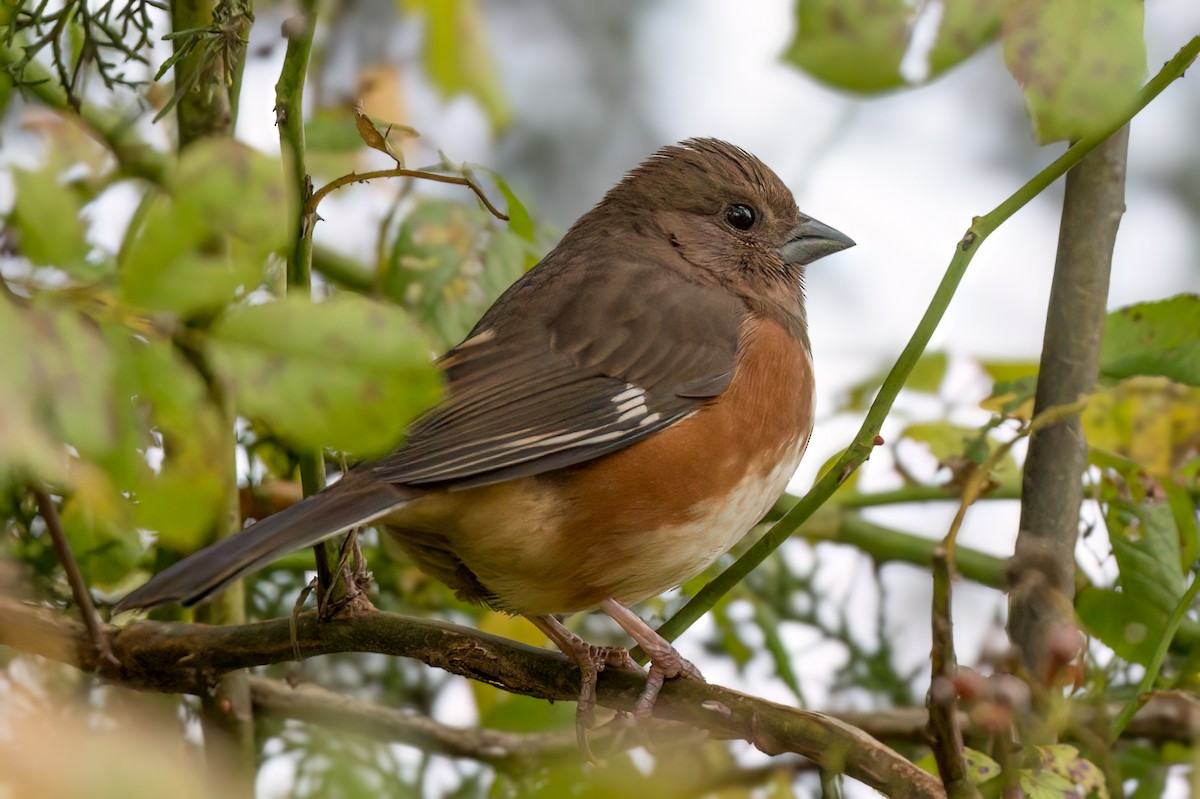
x=359, y=575
x=352, y=568
x=665, y=662
x=591, y=661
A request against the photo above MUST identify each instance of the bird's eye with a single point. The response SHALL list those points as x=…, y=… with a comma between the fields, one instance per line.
x=740, y=216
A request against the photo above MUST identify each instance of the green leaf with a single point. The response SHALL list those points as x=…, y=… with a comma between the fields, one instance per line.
x=447, y=267
x=199, y=247
x=980, y=767
x=457, y=56
x=966, y=26
x=46, y=214
x=856, y=45
x=1154, y=338
x=1008, y=371
x=96, y=521
x=1122, y=623
x=182, y=498
x=28, y=451
x=1079, y=62
x=519, y=220
x=72, y=375
x=1183, y=509
x=944, y=440
x=1146, y=545
x=1045, y=784
x=331, y=130
x=347, y=373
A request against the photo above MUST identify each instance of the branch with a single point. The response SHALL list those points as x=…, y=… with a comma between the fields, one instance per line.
x=860, y=448
x=79, y=588
x=942, y=699
x=887, y=545
x=188, y=658
x=1052, y=487
x=332, y=711
x=398, y=172
x=1165, y=718
x=289, y=118
x=115, y=131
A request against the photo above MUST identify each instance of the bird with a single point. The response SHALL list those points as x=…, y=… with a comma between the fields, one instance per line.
x=615, y=422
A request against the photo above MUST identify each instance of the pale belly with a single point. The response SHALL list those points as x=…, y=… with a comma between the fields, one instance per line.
x=690, y=548
x=529, y=563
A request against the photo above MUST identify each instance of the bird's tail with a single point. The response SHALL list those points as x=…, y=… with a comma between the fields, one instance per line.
x=354, y=500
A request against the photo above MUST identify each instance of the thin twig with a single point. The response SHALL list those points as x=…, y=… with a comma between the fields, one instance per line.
x=362, y=177
x=942, y=699
x=79, y=590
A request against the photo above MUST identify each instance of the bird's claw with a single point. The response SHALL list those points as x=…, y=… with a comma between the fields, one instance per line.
x=591, y=661
x=667, y=665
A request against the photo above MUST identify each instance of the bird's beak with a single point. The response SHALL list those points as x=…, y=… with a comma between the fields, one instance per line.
x=811, y=240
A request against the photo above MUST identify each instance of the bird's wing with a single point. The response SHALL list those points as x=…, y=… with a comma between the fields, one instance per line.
x=595, y=371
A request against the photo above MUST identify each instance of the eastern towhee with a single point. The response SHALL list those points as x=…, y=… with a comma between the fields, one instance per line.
x=619, y=418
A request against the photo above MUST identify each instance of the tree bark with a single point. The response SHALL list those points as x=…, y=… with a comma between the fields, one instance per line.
x=1042, y=572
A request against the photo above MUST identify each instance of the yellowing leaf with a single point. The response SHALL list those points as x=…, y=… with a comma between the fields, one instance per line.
x=1149, y=420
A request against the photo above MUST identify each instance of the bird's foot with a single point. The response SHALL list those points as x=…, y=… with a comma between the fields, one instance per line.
x=664, y=665
x=665, y=661
x=591, y=661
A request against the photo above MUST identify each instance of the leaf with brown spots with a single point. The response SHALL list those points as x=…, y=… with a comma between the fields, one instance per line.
x=1080, y=62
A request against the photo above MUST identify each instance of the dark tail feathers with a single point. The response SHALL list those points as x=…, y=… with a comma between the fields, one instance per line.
x=352, y=501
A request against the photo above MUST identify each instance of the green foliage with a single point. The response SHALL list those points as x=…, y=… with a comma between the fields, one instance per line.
x=46, y=215
x=1145, y=543
x=446, y=268
x=859, y=45
x=1079, y=61
x=194, y=250
x=966, y=27
x=347, y=373
x=855, y=45
x=1154, y=338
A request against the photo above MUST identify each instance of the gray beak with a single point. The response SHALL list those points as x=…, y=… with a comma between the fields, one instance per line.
x=811, y=240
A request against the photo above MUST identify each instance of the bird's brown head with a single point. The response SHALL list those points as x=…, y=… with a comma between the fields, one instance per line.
x=725, y=212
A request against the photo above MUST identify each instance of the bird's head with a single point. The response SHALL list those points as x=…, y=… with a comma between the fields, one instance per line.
x=723, y=208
